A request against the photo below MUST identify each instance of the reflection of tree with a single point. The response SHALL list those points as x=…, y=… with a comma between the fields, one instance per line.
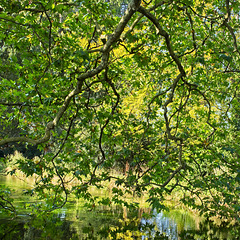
x=52, y=227
x=209, y=230
x=104, y=223
x=10, y=230
x=164, y=225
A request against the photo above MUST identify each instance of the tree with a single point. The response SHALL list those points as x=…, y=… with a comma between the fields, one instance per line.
x=155, y=87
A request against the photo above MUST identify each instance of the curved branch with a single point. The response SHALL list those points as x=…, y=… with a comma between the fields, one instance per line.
x=45, y=138
x=163, y=185
x=231, y=30
x=56, y=169
x=164, y=34
x=108, y=80
x=132, y=8
x=169, y=100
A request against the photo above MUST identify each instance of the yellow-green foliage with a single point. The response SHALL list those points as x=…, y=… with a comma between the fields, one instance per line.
x=134, y=103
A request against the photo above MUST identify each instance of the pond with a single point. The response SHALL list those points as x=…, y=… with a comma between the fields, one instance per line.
x=73, y=221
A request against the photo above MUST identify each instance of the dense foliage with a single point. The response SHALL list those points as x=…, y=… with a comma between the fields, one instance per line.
x=148, y=90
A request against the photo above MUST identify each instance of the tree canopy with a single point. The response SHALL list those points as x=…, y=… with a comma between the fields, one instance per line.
x=150, y=88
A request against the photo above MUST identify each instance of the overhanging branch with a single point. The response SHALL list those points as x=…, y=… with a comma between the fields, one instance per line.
x=164, y=34
x=132, y=8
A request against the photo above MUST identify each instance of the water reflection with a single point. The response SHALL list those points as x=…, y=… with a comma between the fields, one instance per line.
x=50, y=228
x=180, y=225
x=104, y=223
x=162, y=224
x=75, y=222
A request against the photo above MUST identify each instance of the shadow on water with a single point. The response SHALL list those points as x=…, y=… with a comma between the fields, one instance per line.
x=75, y=222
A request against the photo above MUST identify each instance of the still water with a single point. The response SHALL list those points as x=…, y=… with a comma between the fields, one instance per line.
x=75, y=222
